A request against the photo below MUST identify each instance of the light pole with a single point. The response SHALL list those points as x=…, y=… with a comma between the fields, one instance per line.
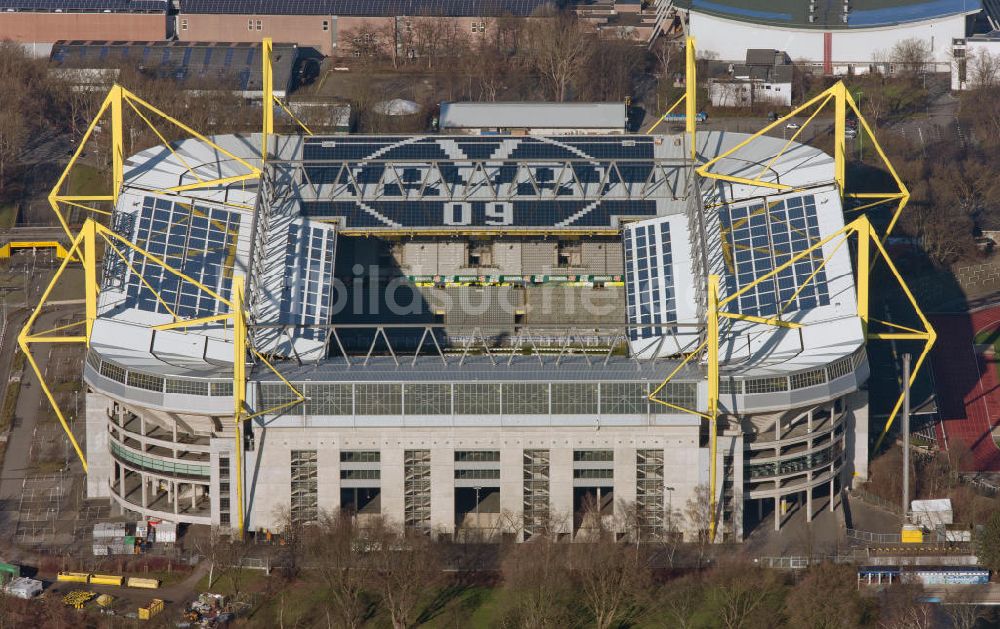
x=477, y=488
x=670, y=510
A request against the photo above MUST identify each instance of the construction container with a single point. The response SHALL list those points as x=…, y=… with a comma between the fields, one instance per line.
x=165, y=533
x=9, y=569
x=76, y=577
x=109, y=530
x=23, y=587
x=78, y=598
x=143, y=583
x=106, y=579
x=154, y=607
x=105, y=600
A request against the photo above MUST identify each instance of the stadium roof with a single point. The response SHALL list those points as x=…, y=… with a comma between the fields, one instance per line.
x=829, y=13
x=86, y=6
x=533, y=115
x=369, y=8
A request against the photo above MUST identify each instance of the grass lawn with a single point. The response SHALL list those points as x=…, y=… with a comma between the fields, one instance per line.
x=990, y=336
x=87, y=179
x=8, y=215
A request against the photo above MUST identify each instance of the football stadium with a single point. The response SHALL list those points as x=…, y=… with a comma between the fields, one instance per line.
x=477, y=336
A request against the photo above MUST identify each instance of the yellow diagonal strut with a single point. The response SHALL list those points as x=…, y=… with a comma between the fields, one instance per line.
x=866, y=240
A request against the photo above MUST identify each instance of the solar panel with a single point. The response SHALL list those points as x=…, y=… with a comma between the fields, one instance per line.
x=649, y=278
x=86, y=6
x=306, y=297
x=758, y=238
x=198, y=241
x=495, y=181
x=369, y=8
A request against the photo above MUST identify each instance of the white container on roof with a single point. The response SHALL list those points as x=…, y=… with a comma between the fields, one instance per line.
x=536, y=117
x=932, y=513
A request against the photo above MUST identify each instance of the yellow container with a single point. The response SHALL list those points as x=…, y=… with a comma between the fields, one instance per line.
x=912, y=535
x=106, y=579
x=76, y=577
x=155, y=607
x=146, y=584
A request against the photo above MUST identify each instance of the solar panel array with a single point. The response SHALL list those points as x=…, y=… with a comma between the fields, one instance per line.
x=482, y=181
x=758, y=239
x=86, y=6
x=306, y=298
x=649, y=279
x=197, y=241
x=369, y=8
x=238, y=64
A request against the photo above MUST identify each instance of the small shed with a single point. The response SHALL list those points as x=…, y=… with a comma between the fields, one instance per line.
x=932, y=513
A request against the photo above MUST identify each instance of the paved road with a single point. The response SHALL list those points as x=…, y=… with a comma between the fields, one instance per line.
x=20, y=439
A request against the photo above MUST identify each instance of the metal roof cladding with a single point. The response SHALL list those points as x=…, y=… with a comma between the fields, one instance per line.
x=369, y=8
x=829, y=14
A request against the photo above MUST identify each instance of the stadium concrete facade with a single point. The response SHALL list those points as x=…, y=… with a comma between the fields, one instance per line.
x=468, y=335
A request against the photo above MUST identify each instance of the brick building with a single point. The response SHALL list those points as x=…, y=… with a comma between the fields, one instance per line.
x=322, y=24
x=37, y=24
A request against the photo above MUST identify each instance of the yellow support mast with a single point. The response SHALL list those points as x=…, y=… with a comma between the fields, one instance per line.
x=239, y=390
x=691, y=95
x=712, y=332
x=267, y=81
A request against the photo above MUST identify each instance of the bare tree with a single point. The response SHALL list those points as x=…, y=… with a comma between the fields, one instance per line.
x=611, y=578
x=698, y=516
x=984, y=70
x=681, y=600
x=343, y=568
x=910, y=57
x=826, y=598
x=965, y=610
x=742, y=594
x=404, y=566
x=535, y=576
x=559, y=47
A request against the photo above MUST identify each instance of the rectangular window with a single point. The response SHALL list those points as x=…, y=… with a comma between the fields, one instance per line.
x=112, y=371
x=767, y=385
x=623, y=398
x=378, y=399
x=360, y=456
x=591, y=473
x=525, y=399
x=428, y=399
x=328, y=399
x=574, y=398
x=184, y=24
x=808, y=378
x=417, y=489
x=326, y=25
x=249, y=25
x=493, y=474
x=259, y=25
x=145, y=381
x=360, y=474
x=477, y=456
x=222, y=388
x=594, y=455
x=477, y=399
x=187, y=387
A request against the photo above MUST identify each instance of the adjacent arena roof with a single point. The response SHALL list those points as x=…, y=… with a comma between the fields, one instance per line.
x=369, y=8
x=829, y=13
